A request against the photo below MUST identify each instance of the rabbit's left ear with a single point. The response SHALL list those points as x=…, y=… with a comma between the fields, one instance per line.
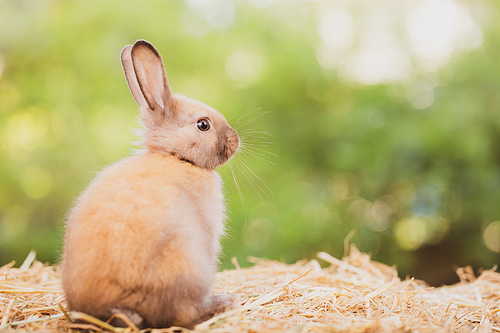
x=128, y=69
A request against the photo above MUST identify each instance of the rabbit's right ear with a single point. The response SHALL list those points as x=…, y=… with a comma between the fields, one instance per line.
x=147, y=80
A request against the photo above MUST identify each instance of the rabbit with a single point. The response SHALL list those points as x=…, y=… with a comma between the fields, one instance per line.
x=143, y=238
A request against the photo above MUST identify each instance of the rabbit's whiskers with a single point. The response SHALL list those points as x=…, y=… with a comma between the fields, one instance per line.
x=253, y=145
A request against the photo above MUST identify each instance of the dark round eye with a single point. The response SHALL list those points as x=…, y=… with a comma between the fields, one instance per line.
x=203, y=125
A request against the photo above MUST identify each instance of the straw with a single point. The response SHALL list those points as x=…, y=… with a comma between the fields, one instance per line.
x=352, y=294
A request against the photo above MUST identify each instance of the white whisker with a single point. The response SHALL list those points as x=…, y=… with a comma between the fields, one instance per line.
x=253, y=148
x=253, y=119
x=246, y=114
x=253, y=145
x=244, y=163
x=236, y=183
x=250, y=131
x=260, y=158
x=252, y=173
x=256, y=139
x=249, y=178
x=241, y=117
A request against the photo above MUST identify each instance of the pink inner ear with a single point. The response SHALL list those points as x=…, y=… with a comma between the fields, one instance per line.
x=150, y=74
x=154, y=81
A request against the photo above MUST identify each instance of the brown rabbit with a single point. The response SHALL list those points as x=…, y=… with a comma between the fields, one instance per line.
x=143, y=238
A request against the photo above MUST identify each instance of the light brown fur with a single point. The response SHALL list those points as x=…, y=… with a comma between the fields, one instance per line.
x=143, y=238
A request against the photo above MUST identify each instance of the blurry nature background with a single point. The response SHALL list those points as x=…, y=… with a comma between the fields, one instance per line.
x=384, y=116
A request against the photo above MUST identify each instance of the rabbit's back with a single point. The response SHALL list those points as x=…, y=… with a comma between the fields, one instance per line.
x=141, y=226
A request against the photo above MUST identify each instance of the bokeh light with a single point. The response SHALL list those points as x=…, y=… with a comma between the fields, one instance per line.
x=245, y=67
x=410, y=232
x=258, y=235
x=380, y=42
x=438, y=29
x=36, y=182
x=26, y=130
x=218, y=14
x=491, y=236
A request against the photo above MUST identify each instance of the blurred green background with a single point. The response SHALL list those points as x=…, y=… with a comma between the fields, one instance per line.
x=384, y=118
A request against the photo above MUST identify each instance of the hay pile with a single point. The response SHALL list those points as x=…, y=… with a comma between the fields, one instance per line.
x=351, y=295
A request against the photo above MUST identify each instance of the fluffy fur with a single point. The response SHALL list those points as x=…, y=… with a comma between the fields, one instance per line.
x=143, y=238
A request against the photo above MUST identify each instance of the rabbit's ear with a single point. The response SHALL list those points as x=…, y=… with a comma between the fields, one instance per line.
x=151, y=78
x=128, y=69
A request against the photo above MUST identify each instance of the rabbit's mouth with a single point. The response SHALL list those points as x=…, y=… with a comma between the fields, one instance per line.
x=185, y=160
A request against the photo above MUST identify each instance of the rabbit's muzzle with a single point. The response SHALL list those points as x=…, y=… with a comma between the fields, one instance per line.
x=230, y=144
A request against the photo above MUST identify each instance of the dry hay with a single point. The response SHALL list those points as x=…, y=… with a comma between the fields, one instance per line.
x=351, y=295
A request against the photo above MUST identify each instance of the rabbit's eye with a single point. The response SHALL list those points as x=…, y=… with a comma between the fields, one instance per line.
x=203, y=125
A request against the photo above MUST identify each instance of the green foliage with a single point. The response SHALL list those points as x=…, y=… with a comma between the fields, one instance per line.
x=370, y=157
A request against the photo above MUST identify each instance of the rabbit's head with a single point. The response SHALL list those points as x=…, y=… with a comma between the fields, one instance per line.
x=175, y=124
